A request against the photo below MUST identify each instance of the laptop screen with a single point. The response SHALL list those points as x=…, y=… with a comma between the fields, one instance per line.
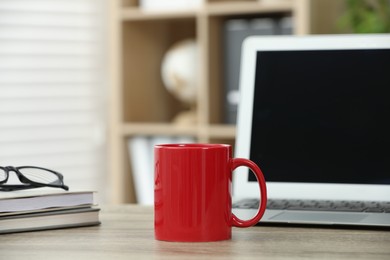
x=322, y=122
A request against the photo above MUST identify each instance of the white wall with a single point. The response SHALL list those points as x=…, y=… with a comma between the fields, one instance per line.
x=52, y=88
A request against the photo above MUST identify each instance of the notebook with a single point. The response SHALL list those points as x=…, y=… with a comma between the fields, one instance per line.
x=314, y=114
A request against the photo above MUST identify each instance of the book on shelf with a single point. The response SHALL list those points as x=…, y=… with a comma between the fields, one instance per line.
x=140, y=158
x=234, y=33
x=141, y=153
x=42, y=209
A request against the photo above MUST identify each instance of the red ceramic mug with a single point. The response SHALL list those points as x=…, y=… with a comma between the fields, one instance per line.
x=192, y=192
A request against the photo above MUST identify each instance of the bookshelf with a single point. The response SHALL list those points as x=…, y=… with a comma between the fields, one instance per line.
x=139, y=102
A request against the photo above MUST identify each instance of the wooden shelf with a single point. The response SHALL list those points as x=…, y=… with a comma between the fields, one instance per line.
x=213, y=9
x=222, y=131
x=242, y=8
x=136, y=14
x=141, y=105
x=130, y=129
x=167, y=129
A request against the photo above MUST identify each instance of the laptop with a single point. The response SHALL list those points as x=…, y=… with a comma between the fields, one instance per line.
x=314, y=114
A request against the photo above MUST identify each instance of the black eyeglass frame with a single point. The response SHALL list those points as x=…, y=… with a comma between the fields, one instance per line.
x=24, y=179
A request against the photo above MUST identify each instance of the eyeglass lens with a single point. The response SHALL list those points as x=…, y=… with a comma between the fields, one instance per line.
x=36, y=175
x=40, y=175
x=3, y=175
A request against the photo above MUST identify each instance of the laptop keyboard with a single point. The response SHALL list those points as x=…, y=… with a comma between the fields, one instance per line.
x=317, y=205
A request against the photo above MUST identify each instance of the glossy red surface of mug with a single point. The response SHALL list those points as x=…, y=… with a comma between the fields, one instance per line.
x=193, y=184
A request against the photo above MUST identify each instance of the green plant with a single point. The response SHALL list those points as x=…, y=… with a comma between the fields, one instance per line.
x=366, y=16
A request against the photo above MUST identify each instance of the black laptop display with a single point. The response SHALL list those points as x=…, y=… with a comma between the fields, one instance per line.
x=322, y=116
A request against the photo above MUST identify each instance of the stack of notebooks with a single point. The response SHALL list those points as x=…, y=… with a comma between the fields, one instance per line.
x=32, y=210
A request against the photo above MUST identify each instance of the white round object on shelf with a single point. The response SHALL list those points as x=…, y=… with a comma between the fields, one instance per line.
x=179, y=70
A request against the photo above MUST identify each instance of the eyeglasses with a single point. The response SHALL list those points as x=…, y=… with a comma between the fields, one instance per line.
x=31, y=177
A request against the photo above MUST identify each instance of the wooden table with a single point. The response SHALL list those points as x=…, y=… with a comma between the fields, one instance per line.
x=127, y=233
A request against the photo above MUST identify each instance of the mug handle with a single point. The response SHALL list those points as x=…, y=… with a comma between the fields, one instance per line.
x=237, y=222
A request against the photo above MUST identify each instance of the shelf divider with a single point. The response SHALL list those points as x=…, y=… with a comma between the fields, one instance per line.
x=169, y=129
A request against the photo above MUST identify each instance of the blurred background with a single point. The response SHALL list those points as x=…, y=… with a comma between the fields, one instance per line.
x=87, y=87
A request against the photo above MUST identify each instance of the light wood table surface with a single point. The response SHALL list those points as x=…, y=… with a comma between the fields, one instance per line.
x=126, y=232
